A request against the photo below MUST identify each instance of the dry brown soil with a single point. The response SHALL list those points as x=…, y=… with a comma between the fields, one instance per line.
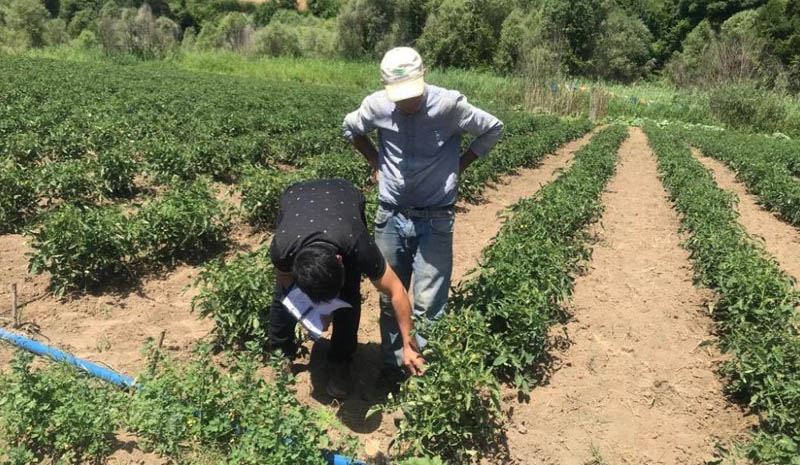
x=780, y=239
x=637, y=385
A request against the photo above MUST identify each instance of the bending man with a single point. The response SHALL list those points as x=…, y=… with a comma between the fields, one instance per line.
x=322, y=245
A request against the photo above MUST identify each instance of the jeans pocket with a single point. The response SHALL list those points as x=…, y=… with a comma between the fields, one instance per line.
x=382, y=217
x=443, y=225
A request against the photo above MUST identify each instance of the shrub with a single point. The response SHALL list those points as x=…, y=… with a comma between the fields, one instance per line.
x=55, y=32
x=463, y=33
x=114, y=171
x=237, y=415
x=17, y=197
x=54, y=415
x=28, y=19
x=342, y=166
x=238, y=297
x=187, y=223
x=261, y=190
x=69, y=180
x=277, y=39
x=87, y=40
x=747, y=107
x=363, y=26
x=623, y=53
x=81, y=247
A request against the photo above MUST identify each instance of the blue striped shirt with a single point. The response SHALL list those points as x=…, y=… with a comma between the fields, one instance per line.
x=418, y=154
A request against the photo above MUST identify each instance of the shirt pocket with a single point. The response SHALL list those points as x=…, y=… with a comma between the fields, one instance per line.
x=431, y=141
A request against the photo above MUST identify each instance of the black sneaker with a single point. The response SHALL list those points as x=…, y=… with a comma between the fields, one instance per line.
x=339, y=382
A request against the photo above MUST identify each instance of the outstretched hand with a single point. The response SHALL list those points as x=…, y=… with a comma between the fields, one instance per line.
x=413, y=361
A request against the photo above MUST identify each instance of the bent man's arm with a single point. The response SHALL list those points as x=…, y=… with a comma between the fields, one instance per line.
x=390, y=285
x=486, y=128
x=355, y=128
x=367, y=148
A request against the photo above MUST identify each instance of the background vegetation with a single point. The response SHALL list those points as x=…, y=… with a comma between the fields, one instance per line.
x=732, y=62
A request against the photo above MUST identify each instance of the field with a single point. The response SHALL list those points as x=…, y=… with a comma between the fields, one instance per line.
x=625, y=294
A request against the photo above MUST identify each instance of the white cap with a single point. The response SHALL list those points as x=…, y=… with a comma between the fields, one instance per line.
x=402, y=73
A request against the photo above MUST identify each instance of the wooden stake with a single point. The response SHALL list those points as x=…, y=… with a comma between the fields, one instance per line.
x=158, y=351
x=14, y=309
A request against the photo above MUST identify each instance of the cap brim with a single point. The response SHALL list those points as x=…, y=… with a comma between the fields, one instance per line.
x=406, y=89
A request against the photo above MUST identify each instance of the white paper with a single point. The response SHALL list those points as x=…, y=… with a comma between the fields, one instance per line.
x=310, y=314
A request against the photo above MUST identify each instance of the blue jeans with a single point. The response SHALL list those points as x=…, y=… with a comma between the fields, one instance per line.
x=422, y=247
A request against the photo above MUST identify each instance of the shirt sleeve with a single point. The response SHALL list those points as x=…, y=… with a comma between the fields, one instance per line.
x=486, y=128
x=369, y=258
x=360, y=122
x=280, y=258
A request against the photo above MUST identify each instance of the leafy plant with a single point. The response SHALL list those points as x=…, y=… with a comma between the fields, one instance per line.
x=238, y=415
x=497, y=330
x=767, y=166
x=756, y=309
x=261, y=191
x=17, y=197
x=54, y=415
x=238, y=297
x=81, y=247
x=187, y=223
x=68, y=180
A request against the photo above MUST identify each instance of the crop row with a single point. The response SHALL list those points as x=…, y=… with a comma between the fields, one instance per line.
x=769, y=167
x=198, y=412
x=60, y=110
x=757, y=303
x=87, y=247
x=496, y=330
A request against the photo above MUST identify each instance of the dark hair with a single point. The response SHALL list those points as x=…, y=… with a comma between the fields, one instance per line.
x=318, y=272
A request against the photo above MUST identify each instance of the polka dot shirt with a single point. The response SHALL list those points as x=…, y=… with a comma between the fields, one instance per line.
x=327, y=210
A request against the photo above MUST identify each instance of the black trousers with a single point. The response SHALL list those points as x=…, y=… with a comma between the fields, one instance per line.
x=344, y=340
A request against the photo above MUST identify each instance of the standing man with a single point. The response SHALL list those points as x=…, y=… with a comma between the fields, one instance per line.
x=322, y=245
x=418, y=161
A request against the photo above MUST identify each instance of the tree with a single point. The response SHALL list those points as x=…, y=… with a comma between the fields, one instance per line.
x=27, y=18
x=463, y=33
x=574, y=23
x=624, y=50
x=363, y=26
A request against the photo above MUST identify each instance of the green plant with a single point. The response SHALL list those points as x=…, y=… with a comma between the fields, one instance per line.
x=747, y=107
x=81, y=247
x=261, y=191
x=17, y=197
x=187, y=223
x=756, y=308
x=767, y=166
x=238, y=297
x=237, y=415
x=69, y=181
x=54, y=415
x=497, y=328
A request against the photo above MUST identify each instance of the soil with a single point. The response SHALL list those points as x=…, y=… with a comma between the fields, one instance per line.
x=780, y=239
x=637, y=383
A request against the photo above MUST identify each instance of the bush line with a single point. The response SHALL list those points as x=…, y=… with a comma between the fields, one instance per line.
x=768, y=167
x=757, y=303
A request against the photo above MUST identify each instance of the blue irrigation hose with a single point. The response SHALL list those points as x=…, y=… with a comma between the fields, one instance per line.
x=95, y=370
x=112, y=376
